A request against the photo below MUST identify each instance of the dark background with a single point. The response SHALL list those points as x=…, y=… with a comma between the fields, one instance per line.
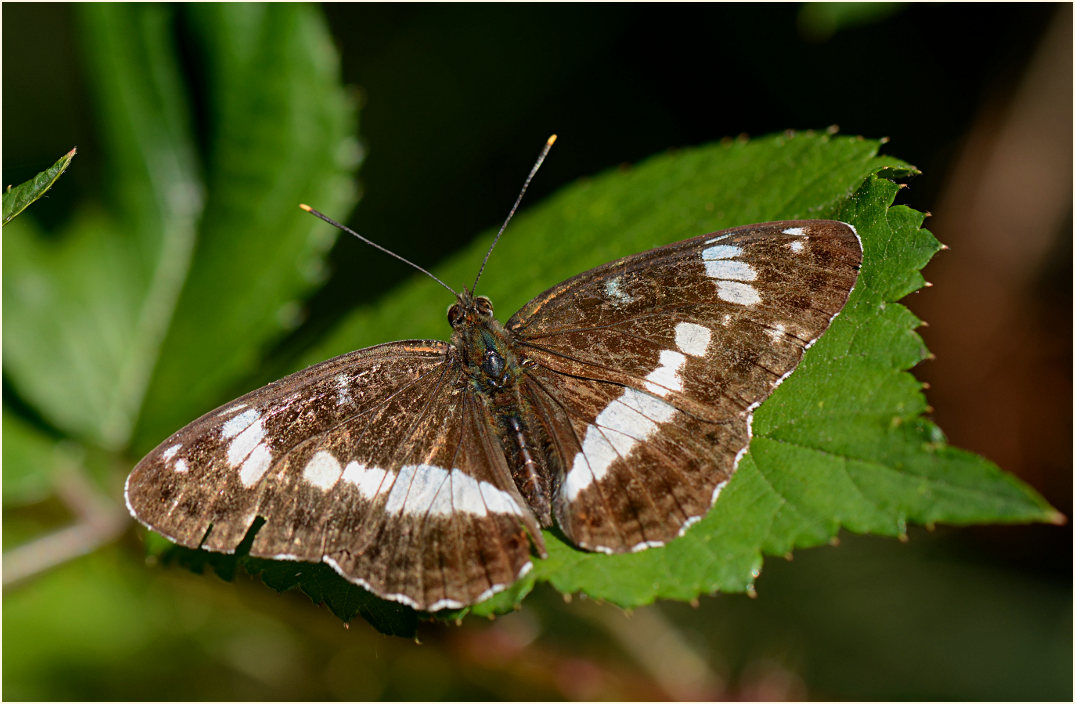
x=456, y=101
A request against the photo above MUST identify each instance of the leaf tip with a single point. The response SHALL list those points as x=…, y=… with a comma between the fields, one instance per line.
x=1056, y=518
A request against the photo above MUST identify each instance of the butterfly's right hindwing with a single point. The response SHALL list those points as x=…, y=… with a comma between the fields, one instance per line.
x=371, y=462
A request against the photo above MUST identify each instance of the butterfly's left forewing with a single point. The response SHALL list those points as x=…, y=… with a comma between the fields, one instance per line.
x=371, y=462
x=645, y=371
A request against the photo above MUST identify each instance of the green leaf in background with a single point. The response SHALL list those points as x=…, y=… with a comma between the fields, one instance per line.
x=280, y=126
x=819, y=21
x=216, y=122
x=19, y=198
x=31, y=459
x=118, y=320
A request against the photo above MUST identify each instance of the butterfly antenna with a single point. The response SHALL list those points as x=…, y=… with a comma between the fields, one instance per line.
x=373, y=244
x=537, y=165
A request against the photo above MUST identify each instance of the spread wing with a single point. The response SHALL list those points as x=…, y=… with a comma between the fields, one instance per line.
x=646, y=371
x=377, y=462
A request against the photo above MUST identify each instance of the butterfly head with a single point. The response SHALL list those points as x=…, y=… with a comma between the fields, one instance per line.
x=481, y=343
x=469, y=310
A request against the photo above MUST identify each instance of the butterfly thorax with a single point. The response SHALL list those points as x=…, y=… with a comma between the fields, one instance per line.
x=494, y=372
x=482, y=346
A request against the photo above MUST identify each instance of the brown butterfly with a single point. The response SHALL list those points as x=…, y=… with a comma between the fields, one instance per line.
x=616, y=404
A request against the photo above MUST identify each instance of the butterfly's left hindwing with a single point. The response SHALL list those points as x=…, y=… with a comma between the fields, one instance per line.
x=372, y=462
x=646, y=370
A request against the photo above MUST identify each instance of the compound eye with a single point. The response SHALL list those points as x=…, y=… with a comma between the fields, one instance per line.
x=456, y=314
x=484, y=305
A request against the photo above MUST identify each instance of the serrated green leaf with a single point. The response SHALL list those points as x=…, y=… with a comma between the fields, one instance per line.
x=18, y=198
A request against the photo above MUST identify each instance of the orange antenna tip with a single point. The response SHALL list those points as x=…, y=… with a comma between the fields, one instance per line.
x=551, y=140
x=305, y=207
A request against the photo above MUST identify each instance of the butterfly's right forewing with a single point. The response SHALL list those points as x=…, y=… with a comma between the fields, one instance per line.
x=645, y=372
x=371, y=462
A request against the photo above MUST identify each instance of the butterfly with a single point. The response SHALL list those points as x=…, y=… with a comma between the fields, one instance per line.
x=615, y=405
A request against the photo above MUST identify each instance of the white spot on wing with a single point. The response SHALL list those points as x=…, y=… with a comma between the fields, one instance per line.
x=323, y=470
x=397, y=495
x=443, y=501
x=170, y=452
x=665, y=378
x=496, y=500
x=730, y=275
x=737, y=292
x=776, y=333
x=427, y=490
x=245, y=442
x=415, y=489
x=796, y=246
x=720, y=251
x=180, y=466
x=631, y=418
x=692, y=338
x=367, y=480
x=239, y=423
x=726, y=269
x=255, y=466
x=614, y=289
x=343, y=391
x=795, y=231
x=466, y=494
